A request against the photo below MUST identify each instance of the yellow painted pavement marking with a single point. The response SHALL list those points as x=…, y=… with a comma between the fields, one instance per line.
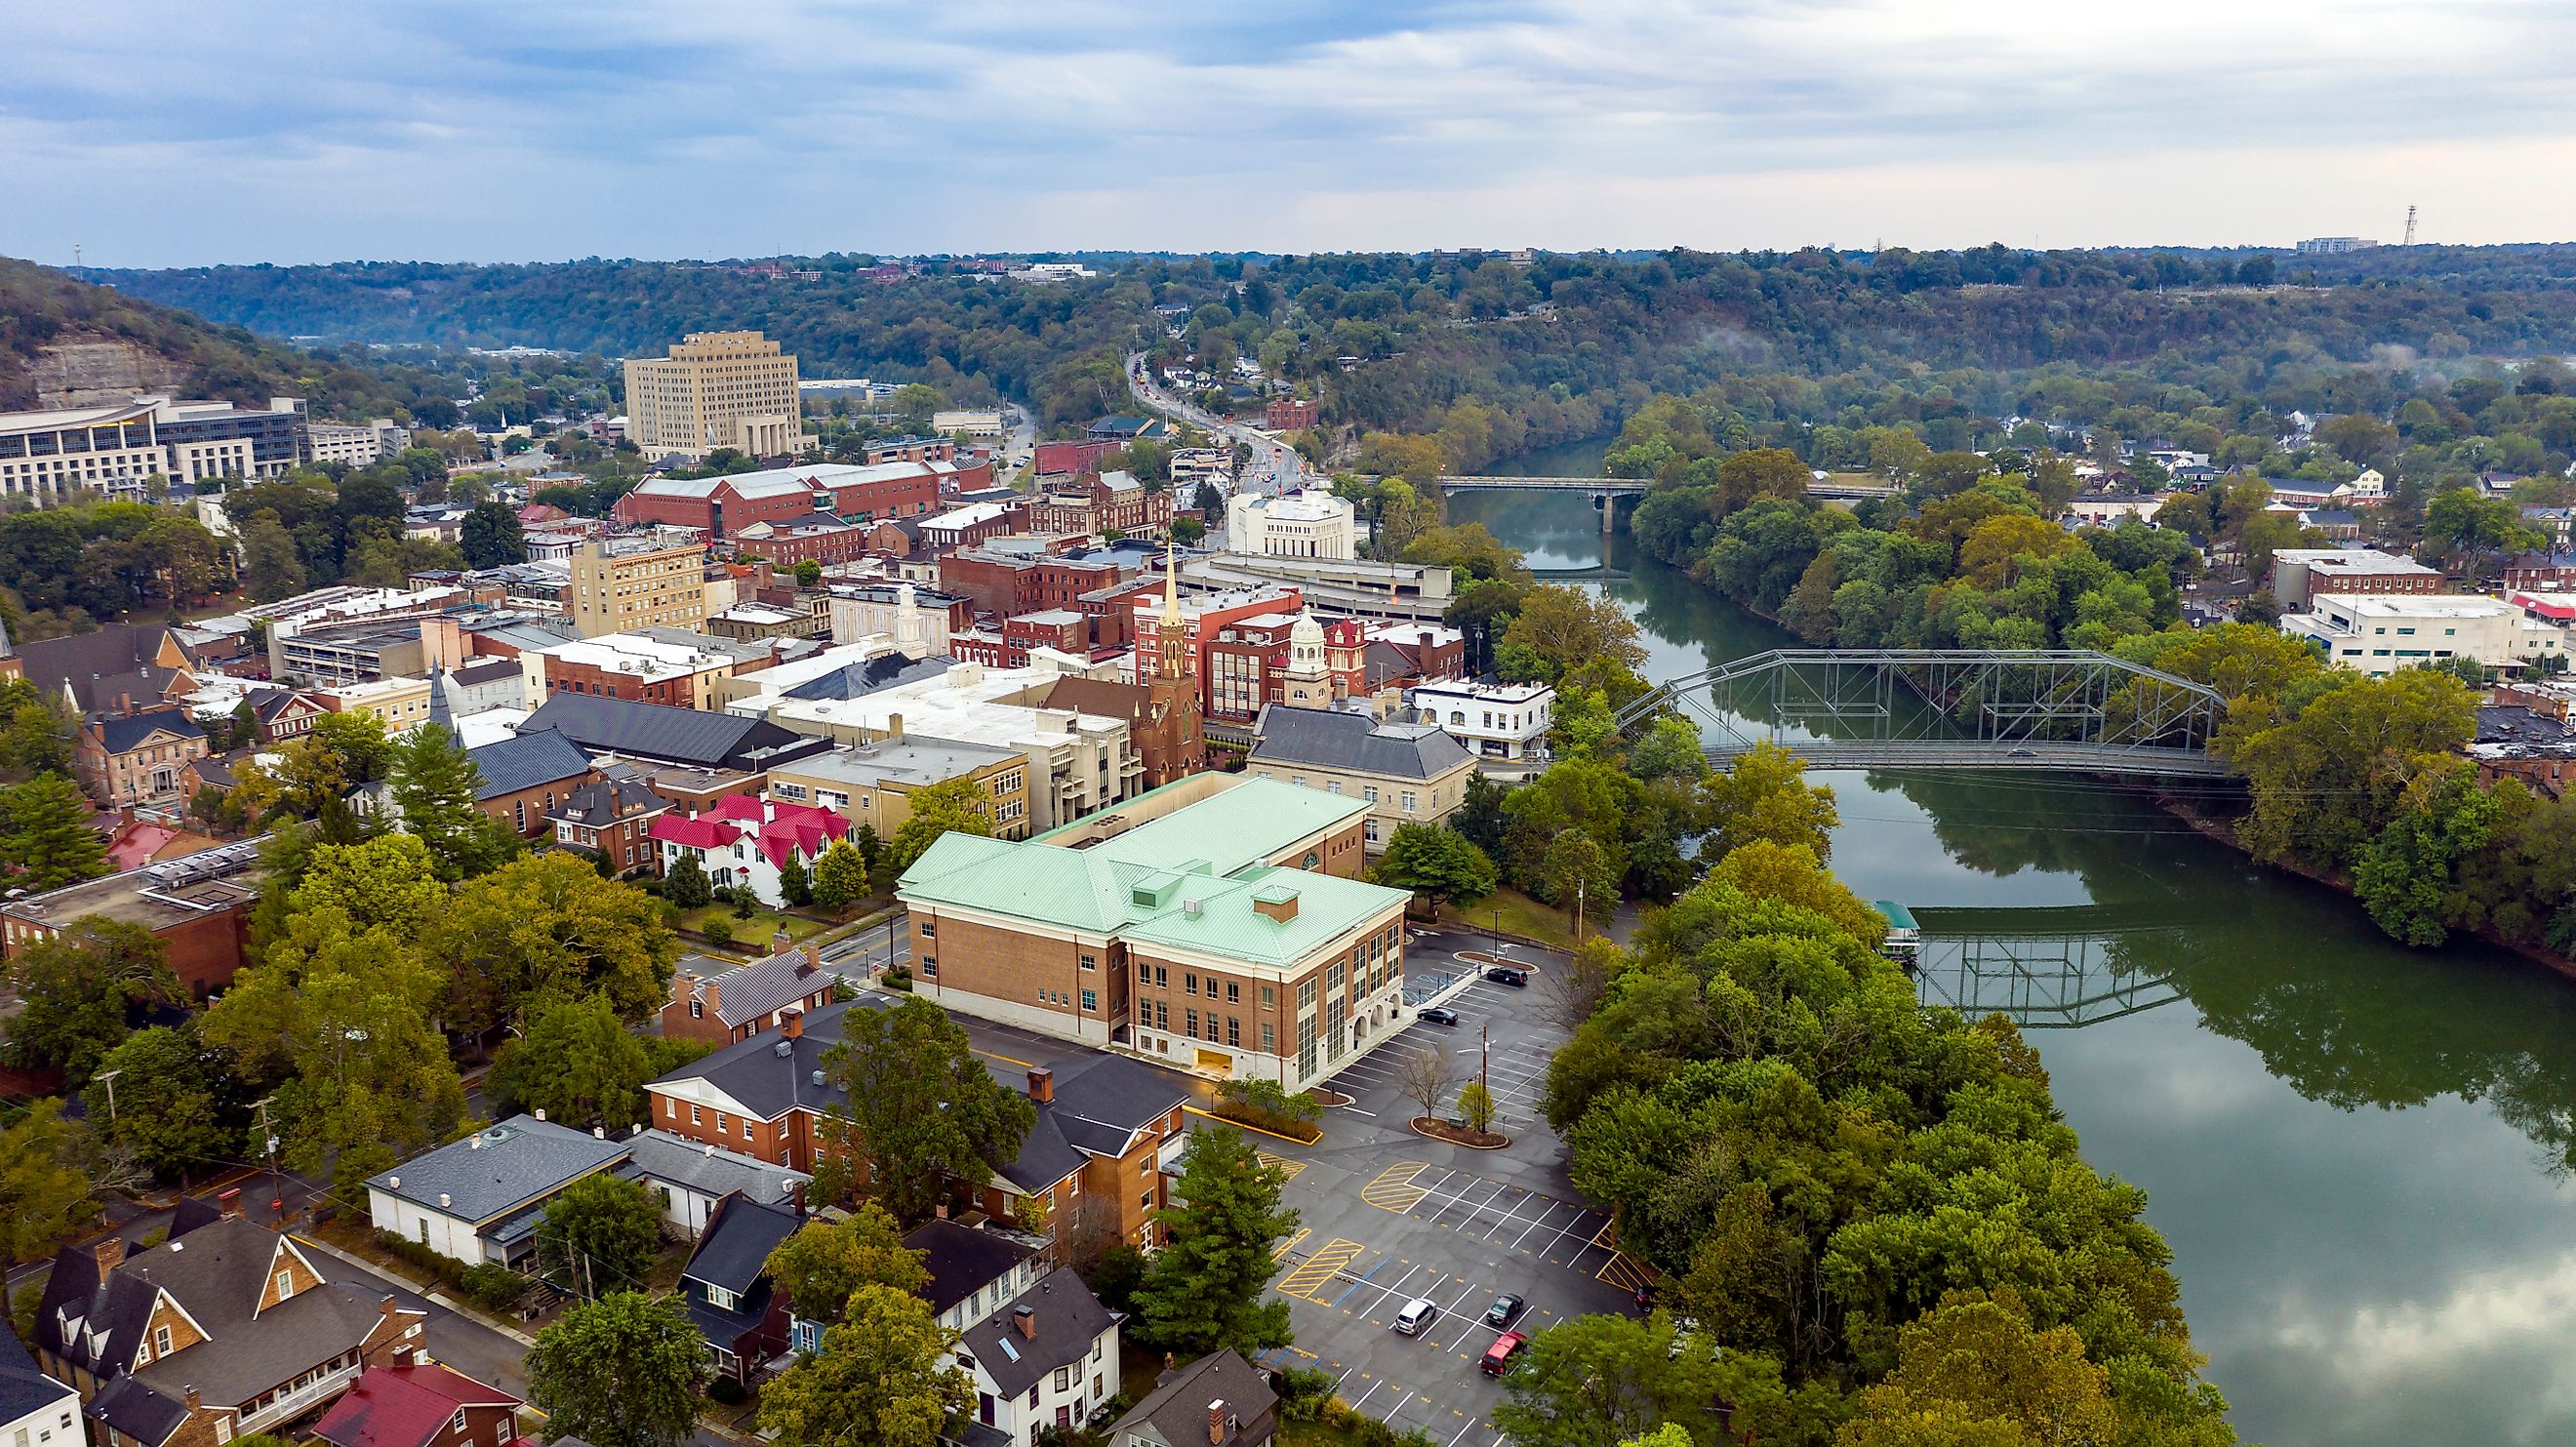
x=1316, y=1271
x=1280, y=1252
x=1394, y=1189
x=1287, y=1168
x=1621, y=1272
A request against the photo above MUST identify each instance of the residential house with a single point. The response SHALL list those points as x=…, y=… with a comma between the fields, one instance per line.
x=122, y=668
x=743, y=1318
x=614, y=817
x=2552, y=571
x=1090, y=1169
x=35, y=1410
x=720, y=1002
x=1043, y=1360
x=526, y=776
x=1220, y=1400
x=689, y=1178
x=420, y=1404
x=1407, y=773
x=1491, y=720
x=746, y=840
x=478, y=1199
x=224, y=1329
x=285, y=713
x=137, y=758
x=973, y=1270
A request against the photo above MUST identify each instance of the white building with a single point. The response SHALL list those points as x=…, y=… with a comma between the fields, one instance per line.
x=478, y=1199
x=688, y=1178
x=356, y=446
x=893, y=611
x=746, y=841
x=40, y=1412
x=1045, y=1358
x=972, y=423
x=1492, y=720
x=1308, y=524
x=2379, y=634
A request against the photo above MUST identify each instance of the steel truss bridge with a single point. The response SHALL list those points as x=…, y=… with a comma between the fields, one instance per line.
x=1632, y=486
x=2047, y=969
x=1899, y=708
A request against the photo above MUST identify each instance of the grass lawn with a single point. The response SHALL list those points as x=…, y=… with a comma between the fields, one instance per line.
x=1313, y=1434
x=751, y=935
x=1521, y=915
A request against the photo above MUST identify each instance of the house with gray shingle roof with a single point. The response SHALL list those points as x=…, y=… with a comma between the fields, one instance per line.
x=1409, y=773
x=722, y=1001
x=1220, y=1400
x=478, y=1199
x=1044, y=1358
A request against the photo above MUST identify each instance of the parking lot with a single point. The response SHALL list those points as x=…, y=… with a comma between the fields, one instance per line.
x=1387, y=1216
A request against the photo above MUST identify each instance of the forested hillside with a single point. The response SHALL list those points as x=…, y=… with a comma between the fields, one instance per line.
x=1563, y=348
x=43, y=310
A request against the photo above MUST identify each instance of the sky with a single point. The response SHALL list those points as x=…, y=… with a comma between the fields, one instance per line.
x=190, y=132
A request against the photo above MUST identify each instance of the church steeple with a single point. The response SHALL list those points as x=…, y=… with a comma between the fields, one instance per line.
x=1172, y=652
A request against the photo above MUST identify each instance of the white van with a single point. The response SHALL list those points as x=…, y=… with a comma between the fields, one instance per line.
x=1416, y=1315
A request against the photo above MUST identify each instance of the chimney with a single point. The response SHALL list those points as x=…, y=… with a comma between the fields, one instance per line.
x=778, y=941
x=188, y=1393
x=229, y=1203
x=541, y=1112
x=1024, y=1320
x=387, y=1307
x=110, y=1254
x=1216, y=1423
x=813, y=957
x=1041, y=1084
x=711, y=992
x=796, y=1195
x=791, y=1022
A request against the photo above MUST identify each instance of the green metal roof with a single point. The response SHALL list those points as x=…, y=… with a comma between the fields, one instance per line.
x=1244, y=825
x=1327, y=907
x=1898, y=917
x=1074, y=888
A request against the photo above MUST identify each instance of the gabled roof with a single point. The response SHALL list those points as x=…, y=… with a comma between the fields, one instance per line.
x=24, y=1390
x=121, y=653
x=747, y=992
x=1330, y=739
x=138, y=1412
x=658, y=1155
x=120, y=735
x=1175, y=1413
x=776, y=827
x=740, y=1234
x=605, y=801
x=404, y=1406
x=962, y=1260
x=526, y=761
x=859, y=679
x=668, y=735
x=1065, y=1319
x=499, y=1169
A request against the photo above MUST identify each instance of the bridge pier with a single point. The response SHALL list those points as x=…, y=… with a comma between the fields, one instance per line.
x=1609, y=506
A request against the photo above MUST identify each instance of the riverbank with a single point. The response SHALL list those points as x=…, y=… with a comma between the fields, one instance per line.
x=2220, y=831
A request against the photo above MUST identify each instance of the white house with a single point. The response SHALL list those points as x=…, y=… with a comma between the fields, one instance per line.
x=1492, y=720
x=747, y=840
x=478, y=1199
x=1044, y=1358
x=689, y=1178
x=35, y=1410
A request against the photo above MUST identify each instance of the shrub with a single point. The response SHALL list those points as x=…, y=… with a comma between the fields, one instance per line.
x=1265, y=1104
x=447, y=1270
x=1303, y=1391
x=493, y=1286
x=717, y=928
x=726, y=1391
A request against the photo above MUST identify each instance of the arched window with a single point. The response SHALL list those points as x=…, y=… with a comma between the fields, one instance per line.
x=1459, y=718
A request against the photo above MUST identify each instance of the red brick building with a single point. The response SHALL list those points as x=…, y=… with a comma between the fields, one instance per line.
x=615, y=817
x=1287, y=414
x=420, y=1404
x=1066, y=459
x=1010, y=584
x=198, y=906
x=1102, y=503
x=526, y=776
x=787, y=544
x=724, y=506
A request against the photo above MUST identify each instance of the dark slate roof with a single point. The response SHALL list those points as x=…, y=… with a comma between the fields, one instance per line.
x=500, y=1169
x=24, y=1391
x=122, y=734
x=670, y=735
x=764, y=1085
x=271, y=702
x=121, y=653
x=489, y=671
x=747, y=992
x=605, y=801
x=962, y=1260
x=1066, y=1319
x=1175, y=1413
x=526, y=761
x=859, y=679
x=1330, y=739
x=741, y=1232
x=138, y=1412
x=658, y=1155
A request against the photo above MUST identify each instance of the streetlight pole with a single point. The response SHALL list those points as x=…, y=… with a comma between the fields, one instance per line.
x=1498, y=935
x=1578, y=912
x=108, y=1079
x=276, y=1192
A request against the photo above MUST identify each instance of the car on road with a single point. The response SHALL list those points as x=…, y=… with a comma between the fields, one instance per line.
x=1498, y=1357
x=1438, y=1015
x=1417, y=1314
x=1505, y=975
x=1505, y=1307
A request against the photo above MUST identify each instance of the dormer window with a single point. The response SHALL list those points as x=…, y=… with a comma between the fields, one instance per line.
x=719, y=1298
x=161, y=1341
x=285, y=1285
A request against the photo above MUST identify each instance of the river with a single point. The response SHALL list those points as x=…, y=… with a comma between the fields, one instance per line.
x=2358, y=1152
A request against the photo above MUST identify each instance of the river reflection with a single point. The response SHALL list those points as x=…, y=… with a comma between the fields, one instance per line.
x=2359, y=1153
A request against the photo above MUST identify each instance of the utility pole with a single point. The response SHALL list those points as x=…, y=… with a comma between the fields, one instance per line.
x=1578, y=912
x=1484, y=1056
x=108, y=1079
x=1498, y=936
x=276, y=1192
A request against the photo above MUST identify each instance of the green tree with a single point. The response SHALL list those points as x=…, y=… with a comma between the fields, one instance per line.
x=1598, y=1379
x=1437, y=863
x=80, y=985
x=2408, y=875
x=870, y=847
x=1564, y=628
x=886, y=1376
x=809, y=573
x=686, y=884
x=169, y=1108
x=434, y=784
x=271, y=567
x=1476, y=1106
x=356, y=744
x=44, y=1192
x=578, y=1064
x=1203, y=1290
x=840, y=876
x=2468, y=529
x=950, y=806
x=918, y=1108
x=1763, y=794
x=795, y=886
x=599, y=1234
x=48, y=836
x=1975, y=1367
x=546, y=927
x=621, y=1371
x=824, y=1262
x=490, y=536
x=1578, y=871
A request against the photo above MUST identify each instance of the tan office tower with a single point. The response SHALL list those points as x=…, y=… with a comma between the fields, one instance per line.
x=716, y=389
x=622, y=585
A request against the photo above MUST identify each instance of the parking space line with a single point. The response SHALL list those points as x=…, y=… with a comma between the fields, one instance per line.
x=1394, y=1189
x=1286, y=1166
x=1621, y=1272
x=1358, y=1281
x=1282, y=1250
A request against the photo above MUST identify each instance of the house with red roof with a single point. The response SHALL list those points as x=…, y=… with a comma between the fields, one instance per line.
x=420, y=1404
x=746, y=839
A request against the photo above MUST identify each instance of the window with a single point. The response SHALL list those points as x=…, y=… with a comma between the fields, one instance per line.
x=1191, y=1029
x=695, y=1118
x=724, y=1123
x=1144, y=973
x=719, y=1298
x=285, y=1284
x=1233, y=1030
x=1369, y=793
x=1033, y=1396
x=1063, y=1380
x=223, y=1432
x=160, y=1341
x=1090, y=1001
x=930, y=967
x=1269, y=997
x=1090, y=962
x=697, y=1009
x=1333, y=787
x=1189, y=983
x=670, y=1108
x=457, y=1422
x=1407, y=798
x=1162, y=978
x=1269, y=1039
x=1234, y=992
x=1306, y=993
x=929, y=929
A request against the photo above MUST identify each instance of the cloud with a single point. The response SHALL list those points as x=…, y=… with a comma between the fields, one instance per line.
x=670, y=127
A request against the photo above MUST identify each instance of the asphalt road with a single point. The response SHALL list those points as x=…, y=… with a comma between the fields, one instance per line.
x=1275, y=466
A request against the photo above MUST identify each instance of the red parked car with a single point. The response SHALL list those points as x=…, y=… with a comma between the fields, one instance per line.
x=1498, y=1357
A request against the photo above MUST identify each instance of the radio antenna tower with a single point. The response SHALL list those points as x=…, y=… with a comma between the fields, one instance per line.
x=2410, y=226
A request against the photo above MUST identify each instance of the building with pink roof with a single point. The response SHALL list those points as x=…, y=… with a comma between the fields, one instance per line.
x=747, y=840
